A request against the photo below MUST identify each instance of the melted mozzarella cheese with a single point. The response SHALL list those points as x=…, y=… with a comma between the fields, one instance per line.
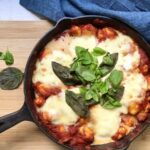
x=104, y=123
x=61, y=43
x=120, y=44
x=88, y=42
x=135, y=86
x=47, y=76
x=59, y=110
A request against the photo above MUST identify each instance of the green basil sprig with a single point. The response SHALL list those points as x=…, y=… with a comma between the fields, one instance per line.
x=7, y=57
x=87, y=72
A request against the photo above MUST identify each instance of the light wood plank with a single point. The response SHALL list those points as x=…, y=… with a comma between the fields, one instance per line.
x=23, y=29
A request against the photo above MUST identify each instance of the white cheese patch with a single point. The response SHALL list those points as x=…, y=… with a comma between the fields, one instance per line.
x=47, y=76
x=61, y=43
x=135, y=87
x=88, y=42
x=75, y=89
x=105, y=123
x=120, y=44
x=59, y=110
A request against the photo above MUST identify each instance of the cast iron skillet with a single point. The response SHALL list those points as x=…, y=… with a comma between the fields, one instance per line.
x=28, y=112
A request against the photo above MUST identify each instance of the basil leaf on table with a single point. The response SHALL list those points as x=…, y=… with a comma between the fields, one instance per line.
x=10, y=78
x=7, y=57
x=63, y=73
x=76, y=102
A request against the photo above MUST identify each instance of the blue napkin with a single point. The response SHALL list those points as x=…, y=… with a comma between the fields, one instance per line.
x=134, y=12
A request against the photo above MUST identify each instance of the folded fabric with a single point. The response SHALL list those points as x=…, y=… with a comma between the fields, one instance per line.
x=134, y=12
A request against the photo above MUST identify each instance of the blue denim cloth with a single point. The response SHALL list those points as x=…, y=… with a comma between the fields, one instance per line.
x=134, y=12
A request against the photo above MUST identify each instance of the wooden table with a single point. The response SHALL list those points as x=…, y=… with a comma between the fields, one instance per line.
x=20, y=38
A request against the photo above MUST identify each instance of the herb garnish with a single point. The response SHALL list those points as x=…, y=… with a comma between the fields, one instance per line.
x=63, y=73
x=7, y=57
x=76, y=102
x=94, y=88
x=10, y=78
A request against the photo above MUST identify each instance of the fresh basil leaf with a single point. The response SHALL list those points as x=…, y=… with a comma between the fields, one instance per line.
x=119, y=92
x=63, y=73
x=86, y=59
x=105, y=68
x=114, y=57
x=112, y=92
x=83, y=55
x=88, y=95
x=81, y=79
x=78, y=72
x=79, y=49
x=88, y=75
x=83, y=90
x=115, y=78
x=93, y=67
x=102, y=100
x=116, y=93
x=97, y=51
x=76, y=102
x=111, y=103
x=91, y=102
x=8, y=57
x=104, y=86
x=107, y=60
x=74, y=66
x=95, y=96
x=96, y=86
x=10, y=78
x=94, y=60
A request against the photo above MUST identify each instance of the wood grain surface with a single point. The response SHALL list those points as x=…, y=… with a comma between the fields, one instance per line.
x=20, y=38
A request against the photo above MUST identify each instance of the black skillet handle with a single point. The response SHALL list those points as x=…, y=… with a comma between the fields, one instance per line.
x=12, y=119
